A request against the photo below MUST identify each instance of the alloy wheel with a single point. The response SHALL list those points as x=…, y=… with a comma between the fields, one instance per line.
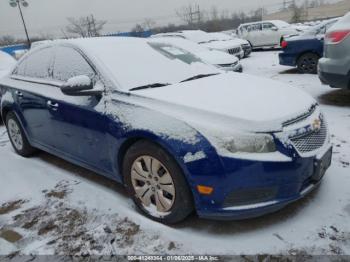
x=15, y=134
x=153, y=185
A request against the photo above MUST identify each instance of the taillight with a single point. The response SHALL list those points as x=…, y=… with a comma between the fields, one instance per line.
x=336, y=37
x=284, y=44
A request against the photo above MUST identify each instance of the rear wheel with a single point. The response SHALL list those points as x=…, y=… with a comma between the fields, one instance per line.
x=156, y=183
x=307, y=63
x=17, y=136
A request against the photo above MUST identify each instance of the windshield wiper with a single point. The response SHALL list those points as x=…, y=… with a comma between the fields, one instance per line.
x=198, y=77
x=155, y=85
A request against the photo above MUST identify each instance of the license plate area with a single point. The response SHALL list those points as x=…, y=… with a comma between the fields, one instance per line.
x=321, y=165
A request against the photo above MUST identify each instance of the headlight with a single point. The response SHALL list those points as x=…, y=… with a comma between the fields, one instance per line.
x=250, y=144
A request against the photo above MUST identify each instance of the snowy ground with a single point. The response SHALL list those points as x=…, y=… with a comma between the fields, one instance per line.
x=48, y=206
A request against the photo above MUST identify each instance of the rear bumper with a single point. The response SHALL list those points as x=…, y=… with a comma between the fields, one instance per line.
x=287, y=59
x=335, y=80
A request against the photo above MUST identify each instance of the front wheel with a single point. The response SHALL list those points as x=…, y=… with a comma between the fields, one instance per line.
x=17, y=136
x=156, y=183
x=307, y=63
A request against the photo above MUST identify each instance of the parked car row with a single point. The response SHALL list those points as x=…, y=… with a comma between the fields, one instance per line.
x=322, y=49
x=304, y=50
x=180, y=134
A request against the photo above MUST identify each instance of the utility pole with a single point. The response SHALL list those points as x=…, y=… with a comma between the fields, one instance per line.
x=24, y=3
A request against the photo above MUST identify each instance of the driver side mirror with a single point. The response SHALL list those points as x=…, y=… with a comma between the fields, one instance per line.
x=80, y=85
x=274, y=28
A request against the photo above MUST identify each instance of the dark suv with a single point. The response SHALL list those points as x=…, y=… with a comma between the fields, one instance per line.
x=305, y=50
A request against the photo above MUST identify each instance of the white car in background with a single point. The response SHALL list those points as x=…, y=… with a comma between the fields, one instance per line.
x=205, y=39
x=266, y=33
x=6, y=63
x=217, y=58
x=247, y=49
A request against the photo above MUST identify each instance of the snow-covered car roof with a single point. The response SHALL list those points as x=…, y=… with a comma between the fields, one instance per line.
x=225, y=37
x=209, y=56
x=278, y=23
x=133, y=62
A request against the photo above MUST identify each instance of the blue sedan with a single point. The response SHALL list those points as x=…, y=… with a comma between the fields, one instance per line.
x=305, y=50
x=182, y=136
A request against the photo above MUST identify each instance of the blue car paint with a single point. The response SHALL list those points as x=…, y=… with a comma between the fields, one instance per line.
x=297, y=47
x=93, y=138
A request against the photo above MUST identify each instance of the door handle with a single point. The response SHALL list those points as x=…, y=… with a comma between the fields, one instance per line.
x=52, y=105
x=19, y=94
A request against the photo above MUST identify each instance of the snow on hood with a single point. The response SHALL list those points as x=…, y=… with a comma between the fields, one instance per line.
x=232, y=100
x=222, y=45
x=217, y=57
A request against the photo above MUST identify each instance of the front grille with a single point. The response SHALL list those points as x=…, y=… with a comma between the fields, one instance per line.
x=300, y=117
x=246, y=46
x=250, y=196
x=311, y=141
x=233, y=51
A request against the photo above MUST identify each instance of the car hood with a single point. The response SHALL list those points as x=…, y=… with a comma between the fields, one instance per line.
x=222, y=45
x=215, y=57
x=230, y=99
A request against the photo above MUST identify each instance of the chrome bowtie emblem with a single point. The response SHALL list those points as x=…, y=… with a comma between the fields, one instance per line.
x=316, y=125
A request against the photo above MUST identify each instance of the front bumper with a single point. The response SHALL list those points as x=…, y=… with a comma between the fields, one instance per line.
x=251, y=188
x=247, y=50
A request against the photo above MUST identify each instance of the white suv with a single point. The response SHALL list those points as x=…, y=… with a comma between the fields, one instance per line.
x=207, y=40
x=265, y=33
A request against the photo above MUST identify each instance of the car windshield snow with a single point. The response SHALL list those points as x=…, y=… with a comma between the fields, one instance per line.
x=132, y=62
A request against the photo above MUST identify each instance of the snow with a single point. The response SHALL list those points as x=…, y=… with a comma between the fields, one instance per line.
x=235, y=95
x=134, y=54
x=104, y=220
x=189, y=157
x=7, y=62
x=213, y=57
x=81, y=80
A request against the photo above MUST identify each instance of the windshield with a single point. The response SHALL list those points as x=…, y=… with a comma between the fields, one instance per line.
x=320, y=28
x=174, y=52
x=133, y=62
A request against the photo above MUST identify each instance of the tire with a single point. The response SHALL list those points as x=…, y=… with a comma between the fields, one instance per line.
x=307, y=63
x=17, y=136
x=141, y=181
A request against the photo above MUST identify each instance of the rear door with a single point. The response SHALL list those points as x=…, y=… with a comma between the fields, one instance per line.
x=270, y=36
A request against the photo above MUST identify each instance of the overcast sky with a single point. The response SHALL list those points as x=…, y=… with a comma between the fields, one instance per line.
x=49, y=16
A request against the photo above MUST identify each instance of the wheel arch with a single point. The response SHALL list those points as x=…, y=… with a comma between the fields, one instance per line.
x=308, y=52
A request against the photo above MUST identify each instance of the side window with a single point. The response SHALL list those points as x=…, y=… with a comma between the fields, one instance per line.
x=267, y=26
x=37, y=64
x=256, y=27
x=69, y=63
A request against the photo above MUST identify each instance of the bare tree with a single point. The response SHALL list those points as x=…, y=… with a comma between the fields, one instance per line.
x=148, y=24
x=85, y=26
x=137, y=30
x=190, y=14
x=7, y=40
